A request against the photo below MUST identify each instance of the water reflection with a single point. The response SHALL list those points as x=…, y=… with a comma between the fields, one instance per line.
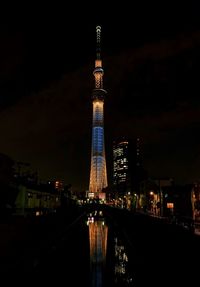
x=115, y=272
x=121, y=263
x=98, y=232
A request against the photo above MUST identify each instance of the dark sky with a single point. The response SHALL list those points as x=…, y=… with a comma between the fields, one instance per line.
x=151, y=59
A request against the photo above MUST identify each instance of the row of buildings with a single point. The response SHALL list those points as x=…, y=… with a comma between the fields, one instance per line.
x=133, y=189
x=22, y=192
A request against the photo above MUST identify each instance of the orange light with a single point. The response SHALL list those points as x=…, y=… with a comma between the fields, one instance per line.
x=170, y=205
x=98, y=63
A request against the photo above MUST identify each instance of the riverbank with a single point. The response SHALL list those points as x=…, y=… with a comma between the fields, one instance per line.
x=23, y=239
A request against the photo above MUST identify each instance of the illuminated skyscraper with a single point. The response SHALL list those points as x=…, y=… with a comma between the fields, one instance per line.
x=98, y=173
x=128, y=171
x=122, y=160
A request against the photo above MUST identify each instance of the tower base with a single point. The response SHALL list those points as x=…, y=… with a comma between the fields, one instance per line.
x=97, y=195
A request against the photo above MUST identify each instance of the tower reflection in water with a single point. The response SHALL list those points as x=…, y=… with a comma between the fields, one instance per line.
x=98, y=232
x=120, y=274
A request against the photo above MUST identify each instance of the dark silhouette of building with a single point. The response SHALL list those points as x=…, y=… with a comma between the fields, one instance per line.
x=8, y=190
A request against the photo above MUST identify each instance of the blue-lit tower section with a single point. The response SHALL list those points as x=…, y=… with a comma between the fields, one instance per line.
x=98, y=173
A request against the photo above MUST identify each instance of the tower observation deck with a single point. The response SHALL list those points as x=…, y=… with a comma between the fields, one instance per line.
x=98, y=172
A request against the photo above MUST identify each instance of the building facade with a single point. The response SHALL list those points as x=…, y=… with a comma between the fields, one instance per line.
x=37, y=199
x=122, y=161
x=98, y=172
x=128, y=171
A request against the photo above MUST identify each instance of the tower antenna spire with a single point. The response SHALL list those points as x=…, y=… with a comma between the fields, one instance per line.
x=98, y=41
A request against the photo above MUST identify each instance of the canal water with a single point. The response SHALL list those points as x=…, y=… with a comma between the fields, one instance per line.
x=109, y=247
x=109, y=259
x=90, y=251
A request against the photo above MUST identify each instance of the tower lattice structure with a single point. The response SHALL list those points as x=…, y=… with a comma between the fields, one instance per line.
x=98, y=172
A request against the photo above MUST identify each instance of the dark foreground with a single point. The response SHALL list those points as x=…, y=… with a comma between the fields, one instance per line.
x=56, y=249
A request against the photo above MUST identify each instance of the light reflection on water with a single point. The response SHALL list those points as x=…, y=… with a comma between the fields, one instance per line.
x=98, y=240
x=98, y=232
x=121, y=264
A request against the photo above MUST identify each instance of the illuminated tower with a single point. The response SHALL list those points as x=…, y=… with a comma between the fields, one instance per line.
x=98, y=173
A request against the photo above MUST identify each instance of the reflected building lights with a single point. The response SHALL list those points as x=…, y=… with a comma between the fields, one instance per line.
x=121, y=272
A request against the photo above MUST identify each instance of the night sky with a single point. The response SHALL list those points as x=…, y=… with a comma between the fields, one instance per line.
x=151, y=60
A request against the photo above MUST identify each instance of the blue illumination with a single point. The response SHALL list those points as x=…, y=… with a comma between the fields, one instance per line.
x=98, y=114
x=98, y=139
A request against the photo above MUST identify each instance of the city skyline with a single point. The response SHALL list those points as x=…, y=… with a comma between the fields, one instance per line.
x=151, y=78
